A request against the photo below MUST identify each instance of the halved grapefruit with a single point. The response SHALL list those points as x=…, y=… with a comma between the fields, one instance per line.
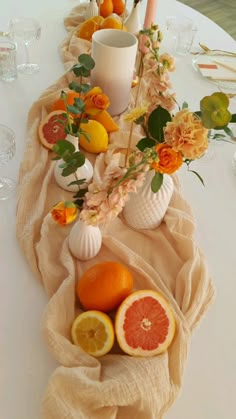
x=52, y=129
x=144, y=324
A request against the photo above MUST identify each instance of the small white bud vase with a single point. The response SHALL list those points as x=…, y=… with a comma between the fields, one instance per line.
x=132, y=23
x=83, y=172
x=92, y=9
x=146, y=209
x=84, y=241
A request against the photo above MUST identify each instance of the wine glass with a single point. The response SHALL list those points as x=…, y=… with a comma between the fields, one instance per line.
x=7, y=151
x=27, y=29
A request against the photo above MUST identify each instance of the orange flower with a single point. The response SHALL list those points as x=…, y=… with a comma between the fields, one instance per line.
x=64, y=212
x=168, y=160
x=185, y=133
x=95, y=101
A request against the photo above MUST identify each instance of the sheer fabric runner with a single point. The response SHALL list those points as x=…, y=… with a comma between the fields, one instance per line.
x=166, y=259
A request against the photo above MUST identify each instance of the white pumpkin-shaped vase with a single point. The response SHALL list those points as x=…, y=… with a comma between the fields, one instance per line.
x=84, y=240
x=146, y=209
x=132, y=23
x=83, y=172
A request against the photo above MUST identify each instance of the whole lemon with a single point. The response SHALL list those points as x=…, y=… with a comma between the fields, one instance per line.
x=98, y=137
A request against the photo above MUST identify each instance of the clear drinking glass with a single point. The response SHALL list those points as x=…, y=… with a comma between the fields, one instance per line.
x=28, y=30
x=7, y=151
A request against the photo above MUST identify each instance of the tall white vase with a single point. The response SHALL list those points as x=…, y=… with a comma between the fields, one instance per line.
x=84, y=241
x=133, y=23
x=83, y=172
x=146, y=209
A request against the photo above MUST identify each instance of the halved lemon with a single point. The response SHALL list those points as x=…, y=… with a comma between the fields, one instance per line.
x=93, y=331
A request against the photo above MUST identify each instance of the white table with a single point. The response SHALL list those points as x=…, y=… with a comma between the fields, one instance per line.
x=26, y=364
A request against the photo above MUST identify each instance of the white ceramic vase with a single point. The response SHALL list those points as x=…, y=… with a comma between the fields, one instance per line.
x=83, y=172
x=84, y=241
x=146, y=209
x=92, y=9
x=132, y=23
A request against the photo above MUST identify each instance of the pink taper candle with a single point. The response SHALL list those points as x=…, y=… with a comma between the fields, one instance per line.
x=150, y=13
x=149, y=19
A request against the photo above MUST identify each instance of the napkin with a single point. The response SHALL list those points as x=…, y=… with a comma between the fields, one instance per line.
x=166, y=259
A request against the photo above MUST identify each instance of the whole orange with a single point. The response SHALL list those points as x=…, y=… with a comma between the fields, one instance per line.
x=59, y=104
x=104, y=286
x=106, y=8
x=118, y=6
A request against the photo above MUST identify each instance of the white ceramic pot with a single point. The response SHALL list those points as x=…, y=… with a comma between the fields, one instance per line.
x=83, y=172
x=84, y=240
x=146, y=209
x=92, y=10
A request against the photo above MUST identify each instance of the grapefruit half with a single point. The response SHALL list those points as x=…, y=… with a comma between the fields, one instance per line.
x=144, y=324
x=52, y=129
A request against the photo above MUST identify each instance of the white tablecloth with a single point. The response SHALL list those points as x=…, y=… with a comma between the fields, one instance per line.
x=26, y=363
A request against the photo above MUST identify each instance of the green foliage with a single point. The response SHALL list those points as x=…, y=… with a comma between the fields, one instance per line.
x=72, y=159
x=145, y=143
x=157, y=181
x=157, y=121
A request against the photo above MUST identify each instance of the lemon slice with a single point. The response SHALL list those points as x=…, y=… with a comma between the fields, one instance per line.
x=93, y=332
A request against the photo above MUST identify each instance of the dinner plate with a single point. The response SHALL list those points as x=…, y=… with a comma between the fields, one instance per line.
x=217, y=67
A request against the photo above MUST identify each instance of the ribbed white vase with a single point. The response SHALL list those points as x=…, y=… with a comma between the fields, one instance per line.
x=146, y=209
x=84, y=241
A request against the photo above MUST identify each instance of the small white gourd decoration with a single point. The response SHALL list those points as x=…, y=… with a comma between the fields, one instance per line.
x=84, y=241
x=92, y=9
x=132, y=22
x=83, y=172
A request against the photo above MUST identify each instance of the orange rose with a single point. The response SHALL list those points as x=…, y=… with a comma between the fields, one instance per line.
x=95, y=101
x=185, y=133
x=168, y=160
x=64, y=212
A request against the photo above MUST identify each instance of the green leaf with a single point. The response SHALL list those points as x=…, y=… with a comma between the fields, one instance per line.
x=63, y=147
x=79, y=88
x=87, y=61
x=157, y=181
x=79, y=159
x=79, y=103
x=145, y=143
x=198, y=113
x=86, y=136
x=79, y=202
x=73, y=109
x=157, y=121
x=78, y=182
x=229, y=132
x=185, y=105
x=81, y=192
x=197, y=174
x=233, y=118
x=69, y=170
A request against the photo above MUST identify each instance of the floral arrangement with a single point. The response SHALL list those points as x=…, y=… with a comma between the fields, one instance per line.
x=170, y=139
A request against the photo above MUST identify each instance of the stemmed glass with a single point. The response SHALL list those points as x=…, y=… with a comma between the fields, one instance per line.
x=7, y=151
x=27, y=29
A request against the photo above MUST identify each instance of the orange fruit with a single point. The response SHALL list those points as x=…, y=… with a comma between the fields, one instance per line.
x=118, y=6
x=104, y=286
x=52, y=129
x=59, y=103
x=106, y=8
x=93, y=331
x=106, y=120
x=144, y=324
x=111, y=22
x=87, y=28
x=98, y=20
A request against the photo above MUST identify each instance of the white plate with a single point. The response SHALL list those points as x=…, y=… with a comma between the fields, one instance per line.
x=211, y=58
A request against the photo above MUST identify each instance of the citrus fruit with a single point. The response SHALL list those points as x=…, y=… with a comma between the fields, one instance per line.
x=52, y=129
x=106, y=120
x=59, y=103
x=106, y=8
x=93, y=331
x=98, y=137
x=118, y=6
x=144, y=324
x=88, y=27
x=111, y=22
x=104, y=286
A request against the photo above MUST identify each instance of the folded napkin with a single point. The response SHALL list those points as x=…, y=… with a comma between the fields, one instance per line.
x=166, y=259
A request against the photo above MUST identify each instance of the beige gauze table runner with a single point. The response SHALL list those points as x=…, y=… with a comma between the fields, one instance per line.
x=166, y=259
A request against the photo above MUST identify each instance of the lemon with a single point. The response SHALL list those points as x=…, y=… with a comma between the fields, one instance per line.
x=93, y=331
x=98, y=137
